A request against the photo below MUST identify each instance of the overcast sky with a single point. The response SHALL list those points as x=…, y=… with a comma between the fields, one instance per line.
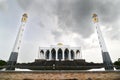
x=53, y=21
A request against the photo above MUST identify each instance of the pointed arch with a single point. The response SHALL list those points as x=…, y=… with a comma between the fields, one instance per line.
x=53, y=53
x=77, y=51
x=42, y=54
x=77, y=54
x=41, y=51
x=72, y=54
x=47, y=54
x=59, y=54
x=66, y=54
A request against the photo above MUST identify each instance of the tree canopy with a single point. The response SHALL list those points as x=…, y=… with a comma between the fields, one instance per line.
x=2, y=62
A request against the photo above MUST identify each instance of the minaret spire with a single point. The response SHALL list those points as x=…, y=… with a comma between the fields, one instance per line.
x=20, y=33
x=14, y=54
x=105, y=54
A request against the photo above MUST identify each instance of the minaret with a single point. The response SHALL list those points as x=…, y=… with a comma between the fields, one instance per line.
x=105, y=54
x=14, y=54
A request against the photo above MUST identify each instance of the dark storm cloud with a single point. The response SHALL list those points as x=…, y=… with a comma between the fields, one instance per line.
x=109, y=11
x=25, y=4
x=3, y=5
x=75, y=15
x=113, y=33
x=57, y=35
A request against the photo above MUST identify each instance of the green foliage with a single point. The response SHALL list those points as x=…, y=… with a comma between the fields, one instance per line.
x=2, y=63
x=117, y=64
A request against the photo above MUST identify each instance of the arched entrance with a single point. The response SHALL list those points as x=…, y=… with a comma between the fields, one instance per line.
x=77, y=54
x=77, y=51
x=47, y=54
x=72, y=54
x=60, y=54
x=53, y=52
x=42, y=54
x=42, y=51
x=66, y=54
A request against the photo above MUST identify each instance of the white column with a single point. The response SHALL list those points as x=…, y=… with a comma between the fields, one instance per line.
x=63, y=55
x=50, y=56
x=39, y=54
x=70, y=55
x=74, y=54
x=56, y=54
x=44, y=56
x=69, y=58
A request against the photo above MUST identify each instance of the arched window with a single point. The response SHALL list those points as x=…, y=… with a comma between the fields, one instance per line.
x=53, y=52
x=47, y=54
x=42, y=52
x=66, y=54
x=77, y=54
x=72, y=54
x=60, y=54
x=77, y=51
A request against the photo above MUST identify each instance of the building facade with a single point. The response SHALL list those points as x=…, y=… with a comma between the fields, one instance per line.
x=59, y=52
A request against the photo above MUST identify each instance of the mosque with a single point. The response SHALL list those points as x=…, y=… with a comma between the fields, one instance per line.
x=59, y=52
x=59, y=56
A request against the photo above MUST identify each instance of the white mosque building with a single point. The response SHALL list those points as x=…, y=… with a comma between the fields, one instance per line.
x=59, y=52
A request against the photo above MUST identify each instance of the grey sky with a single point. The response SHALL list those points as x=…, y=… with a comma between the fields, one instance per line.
x=53, y=21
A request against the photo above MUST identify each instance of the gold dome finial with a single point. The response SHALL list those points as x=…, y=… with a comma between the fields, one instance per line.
x=60, y=44
x=95, y=18
x=24, y=17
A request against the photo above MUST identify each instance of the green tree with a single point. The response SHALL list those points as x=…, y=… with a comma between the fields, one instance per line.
x=117, y=64
x=2, y=63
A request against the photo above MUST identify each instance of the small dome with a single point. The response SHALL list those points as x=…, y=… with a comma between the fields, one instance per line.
x=25, y=15
x=94, y=15
x=59, y=44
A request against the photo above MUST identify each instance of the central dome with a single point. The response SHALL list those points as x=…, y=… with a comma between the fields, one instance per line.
x=59, y=44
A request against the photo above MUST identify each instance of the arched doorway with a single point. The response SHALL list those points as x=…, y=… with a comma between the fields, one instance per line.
x=42, y=54
x=66, y=54
x=53, y=53
x=47, y=54
x=72, y=54
x=60, y=54
x=77, y=54
x=42, y=51
x=77, y=51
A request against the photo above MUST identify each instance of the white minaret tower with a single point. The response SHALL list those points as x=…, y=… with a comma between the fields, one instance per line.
x=105, y=54
x=20, y=33
x=14, y=54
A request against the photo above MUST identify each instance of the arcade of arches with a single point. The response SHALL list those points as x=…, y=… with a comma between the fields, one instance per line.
x=59, y=53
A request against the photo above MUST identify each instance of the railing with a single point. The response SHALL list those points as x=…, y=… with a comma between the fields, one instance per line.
x=57, y=67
